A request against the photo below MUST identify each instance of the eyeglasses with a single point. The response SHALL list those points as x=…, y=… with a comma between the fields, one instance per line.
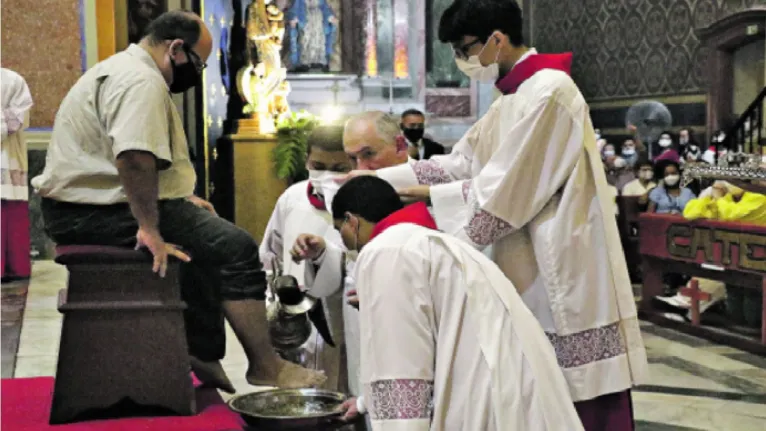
x=461, y=52
x=195, y=59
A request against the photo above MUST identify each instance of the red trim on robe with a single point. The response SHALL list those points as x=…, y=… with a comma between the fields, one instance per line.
x=314, y=200
x=416, y=213
x=509, y=83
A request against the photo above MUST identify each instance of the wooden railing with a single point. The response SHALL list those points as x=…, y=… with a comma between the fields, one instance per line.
x=740, y=137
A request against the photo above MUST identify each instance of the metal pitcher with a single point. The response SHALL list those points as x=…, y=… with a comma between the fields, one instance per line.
x=289, y=324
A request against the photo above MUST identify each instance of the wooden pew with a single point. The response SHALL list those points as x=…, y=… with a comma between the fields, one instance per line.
x=627, y=221
x=732, y=253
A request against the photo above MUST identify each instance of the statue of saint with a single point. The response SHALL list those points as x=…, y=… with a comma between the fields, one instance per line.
x=263, y=82
x=313, y=28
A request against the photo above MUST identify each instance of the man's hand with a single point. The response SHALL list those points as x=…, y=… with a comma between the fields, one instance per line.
x=202, y=203
x=349, y=410
x=354, y=174
x=415, y=193
x=353, y=299
x=152, y=240
x=307, y=246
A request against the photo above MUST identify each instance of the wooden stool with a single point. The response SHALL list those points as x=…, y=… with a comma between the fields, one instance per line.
x=123, y=338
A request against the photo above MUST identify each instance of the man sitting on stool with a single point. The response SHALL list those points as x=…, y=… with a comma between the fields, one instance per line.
x=118, y=173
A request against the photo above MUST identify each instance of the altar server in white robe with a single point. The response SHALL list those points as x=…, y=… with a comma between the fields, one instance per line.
x=372, y=140
x=447, y=343
x=527, y=179
x=300, y=210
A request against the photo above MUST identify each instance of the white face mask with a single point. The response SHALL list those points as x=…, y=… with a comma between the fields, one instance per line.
x=646, y=175
x=325, y=184
x=665, y=142
x=628, y=151
x=608, y=153
x=672, y=180
x=476, y=71
x=620, y=163
x=683, y=141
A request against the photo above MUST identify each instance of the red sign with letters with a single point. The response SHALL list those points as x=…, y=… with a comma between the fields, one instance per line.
x=734, y=246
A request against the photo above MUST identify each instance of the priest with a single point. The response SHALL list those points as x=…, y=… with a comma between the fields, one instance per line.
x=527, y=179
x=302, y=209
x=371, y=140
x=468, y=353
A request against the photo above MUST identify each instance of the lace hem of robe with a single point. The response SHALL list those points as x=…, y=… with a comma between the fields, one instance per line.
x=400, y=399
x=588, y=346
x=484, y=228
x=430, y=172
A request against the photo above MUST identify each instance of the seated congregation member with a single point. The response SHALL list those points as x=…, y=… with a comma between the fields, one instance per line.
x=643, y=184
x=413, y=128
x=618, y=172
x=536, y=145
x=629, y=153
x=449, y=344
x=691, y=151
x=118, y=173
x=669, y=197
x=668, y=150
x=302, y=209
x=371, y=140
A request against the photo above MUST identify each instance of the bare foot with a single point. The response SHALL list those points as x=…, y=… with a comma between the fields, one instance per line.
x=290, y=376
x=211, y=374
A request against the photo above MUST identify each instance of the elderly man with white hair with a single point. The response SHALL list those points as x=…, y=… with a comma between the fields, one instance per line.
x=372, y=140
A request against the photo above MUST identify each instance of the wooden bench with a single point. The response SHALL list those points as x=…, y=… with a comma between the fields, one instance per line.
x=122, y=338
x=630, y=209
x=733, y=253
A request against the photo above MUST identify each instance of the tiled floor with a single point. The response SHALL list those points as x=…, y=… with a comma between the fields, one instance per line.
x=695, y=385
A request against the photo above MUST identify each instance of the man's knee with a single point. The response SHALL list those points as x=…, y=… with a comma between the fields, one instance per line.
x=242, y=277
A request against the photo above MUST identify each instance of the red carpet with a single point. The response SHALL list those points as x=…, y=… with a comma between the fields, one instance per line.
x=26, y=405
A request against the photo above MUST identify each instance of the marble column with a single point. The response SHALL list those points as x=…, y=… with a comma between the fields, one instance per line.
x=370, y=36
x=384, y=12
x=401, y=39
x=417, y=48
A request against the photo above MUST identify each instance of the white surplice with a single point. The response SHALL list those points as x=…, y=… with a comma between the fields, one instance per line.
x=332, y=273
x=294, y=215
x=448, y=343
x=14, y=118
x=527, y=179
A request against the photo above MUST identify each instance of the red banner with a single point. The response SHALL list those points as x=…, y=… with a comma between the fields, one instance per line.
x=734, y=246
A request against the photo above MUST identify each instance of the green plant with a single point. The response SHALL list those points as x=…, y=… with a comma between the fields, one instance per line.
x=290, y=154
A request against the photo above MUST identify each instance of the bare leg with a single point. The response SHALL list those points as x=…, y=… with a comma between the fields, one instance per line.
x=248, y=319
x=211, y=374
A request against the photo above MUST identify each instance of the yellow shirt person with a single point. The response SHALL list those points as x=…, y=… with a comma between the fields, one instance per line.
x=728, y=203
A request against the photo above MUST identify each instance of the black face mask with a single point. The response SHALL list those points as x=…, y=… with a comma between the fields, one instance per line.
x=185, y=76
x=413, y=135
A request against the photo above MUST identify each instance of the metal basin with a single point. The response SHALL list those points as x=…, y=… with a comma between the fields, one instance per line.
x=290, y=409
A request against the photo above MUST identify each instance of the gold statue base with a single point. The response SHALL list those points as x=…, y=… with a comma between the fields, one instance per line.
x=256, y=186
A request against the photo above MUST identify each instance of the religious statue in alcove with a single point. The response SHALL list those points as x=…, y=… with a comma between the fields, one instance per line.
x=140, y=14
x=263, y=82
x=312, y=27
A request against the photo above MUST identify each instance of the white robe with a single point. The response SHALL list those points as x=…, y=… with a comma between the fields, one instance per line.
x=334, y=272
x=448, y=343
x=14, y=118
x=294, y=215
x=527, y=178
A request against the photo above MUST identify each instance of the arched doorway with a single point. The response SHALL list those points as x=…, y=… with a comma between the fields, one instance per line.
x=736, y=74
